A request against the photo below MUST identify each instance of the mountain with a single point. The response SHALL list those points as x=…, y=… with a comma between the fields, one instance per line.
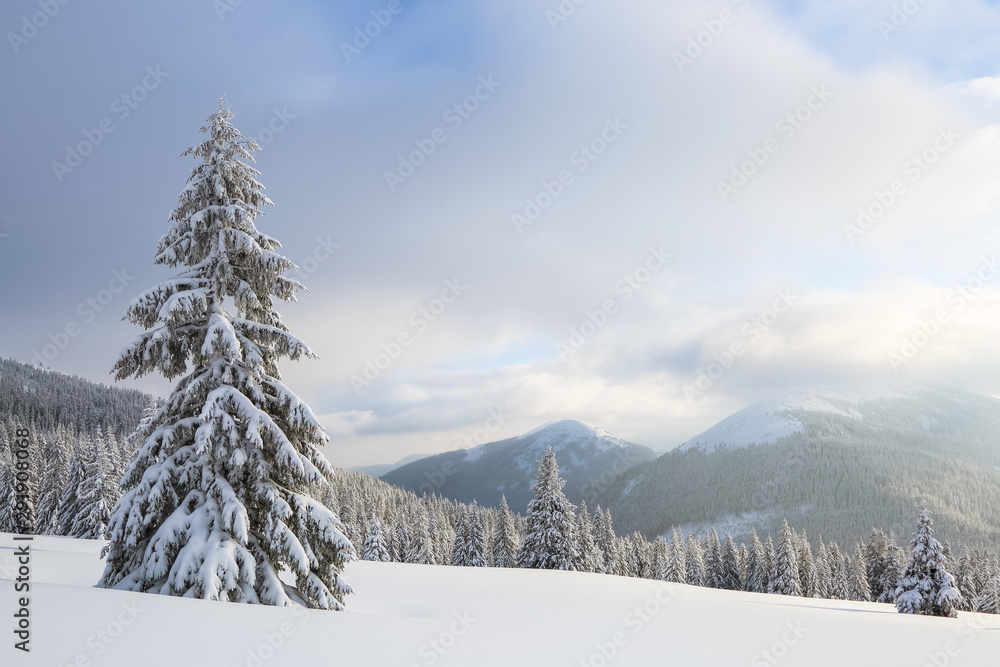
x=587, y=456
x=836, y=460
x=379, y=469
x=46, y=399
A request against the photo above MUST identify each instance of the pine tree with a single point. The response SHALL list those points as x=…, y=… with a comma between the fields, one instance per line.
x=988, y=601
x=839, y=574
x=676, y=566
x=859, y=589
x=808, y=582
x=607, y=541
x=420, y=549
x=785, y=574
x=97, y=492
x=551, y=539
x=375, y=548
x=8, y=500
x=895, y=561
x=216, y=502
x=822, y=562
x=591, y=559
x=505, y=538
x=695, y=574
x=730, y=579
x=53, y=479
x=926, y=587
x=69, y=503
x=875, y=553
x=470, y=551
x=757, y=570
x=713, y=560
x=965, y=580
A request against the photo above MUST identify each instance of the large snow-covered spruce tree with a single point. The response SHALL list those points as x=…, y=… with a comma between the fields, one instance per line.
x=550, y=542
x=925, y=586
x=216, y=499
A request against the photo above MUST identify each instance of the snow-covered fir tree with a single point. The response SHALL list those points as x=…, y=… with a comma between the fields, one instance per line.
x=822, y=564
x=550, y=542
x=8, y=498
x=375, y=548
x=894, y=562
x=713, y=560
x=926, y=587
x=988, y=600
x=675, y=569
x=785, y=573
x=695, y=561
x=730, y=566
x=217, y=497
x=98, y=491
x=55, y=455
x=470, y=548
x=859, y=589
x=591, y=558
x=875, y=552
x=607, y=541
x=69, y=503
x=757, y=571
x=505, y=539
x=420, y=550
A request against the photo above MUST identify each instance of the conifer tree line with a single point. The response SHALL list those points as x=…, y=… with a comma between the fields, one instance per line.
x=73, y=480
x=387, y=523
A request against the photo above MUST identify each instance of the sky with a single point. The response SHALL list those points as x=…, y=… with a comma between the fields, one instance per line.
x=643, y=215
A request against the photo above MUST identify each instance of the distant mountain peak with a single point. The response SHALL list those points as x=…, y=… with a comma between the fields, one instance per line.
x=781, y=415
x=508, y=467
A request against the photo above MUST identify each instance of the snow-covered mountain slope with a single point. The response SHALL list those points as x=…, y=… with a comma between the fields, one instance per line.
x=507, y=467
x=790, y=411
x=838, y=460
x=423, y=615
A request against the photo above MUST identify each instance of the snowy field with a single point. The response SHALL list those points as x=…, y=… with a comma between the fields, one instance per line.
x=416, y=615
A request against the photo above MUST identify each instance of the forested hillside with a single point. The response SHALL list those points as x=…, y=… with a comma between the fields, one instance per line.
x=847, y=464
x=46, y=399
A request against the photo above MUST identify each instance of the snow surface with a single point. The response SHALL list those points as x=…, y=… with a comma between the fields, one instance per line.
x=481, y=617
x=772, y=419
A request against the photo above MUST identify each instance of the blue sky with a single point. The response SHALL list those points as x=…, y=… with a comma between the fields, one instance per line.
x=661, y=139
